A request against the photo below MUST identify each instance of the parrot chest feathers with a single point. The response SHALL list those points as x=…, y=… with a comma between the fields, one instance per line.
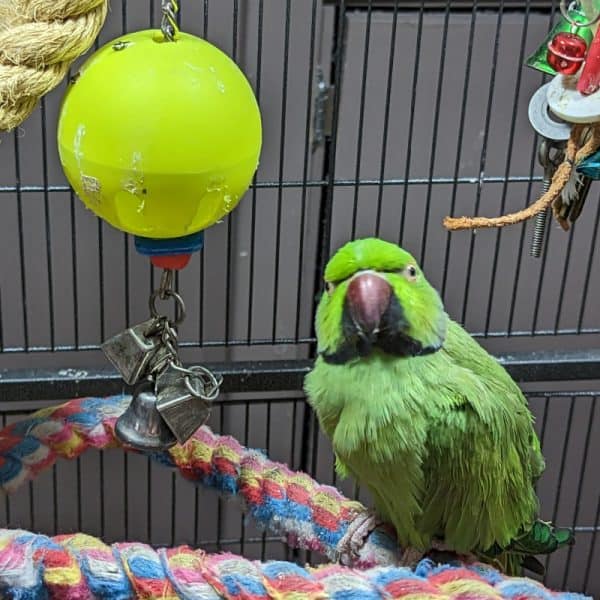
x=376, y=411
x=380, y=439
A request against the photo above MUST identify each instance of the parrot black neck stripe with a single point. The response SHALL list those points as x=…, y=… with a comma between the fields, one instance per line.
x=348, y=352
x=429, y=350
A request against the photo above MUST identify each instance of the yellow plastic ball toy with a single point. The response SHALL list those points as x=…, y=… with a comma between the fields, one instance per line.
x=159, y=138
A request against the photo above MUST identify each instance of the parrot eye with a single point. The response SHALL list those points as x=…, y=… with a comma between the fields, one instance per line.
x=410, y=273
x=329, y=287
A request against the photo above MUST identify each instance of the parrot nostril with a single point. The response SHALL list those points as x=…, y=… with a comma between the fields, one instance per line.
x=367, y=298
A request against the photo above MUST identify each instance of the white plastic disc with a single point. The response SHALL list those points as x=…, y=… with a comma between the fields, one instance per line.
x=541, y=119
x=567, y=103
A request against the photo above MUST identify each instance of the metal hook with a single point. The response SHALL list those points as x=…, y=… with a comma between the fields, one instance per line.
x=166, y=283
x=164, y=294
x=551, y=154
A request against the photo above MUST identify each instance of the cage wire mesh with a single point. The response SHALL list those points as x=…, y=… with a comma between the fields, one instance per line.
x=379, y=118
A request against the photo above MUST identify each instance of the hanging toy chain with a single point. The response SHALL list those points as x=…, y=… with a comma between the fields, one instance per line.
x=207, y=384
x=172, y=401
x=168, y=25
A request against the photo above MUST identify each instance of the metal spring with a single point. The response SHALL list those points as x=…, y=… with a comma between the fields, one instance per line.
x=540, y=224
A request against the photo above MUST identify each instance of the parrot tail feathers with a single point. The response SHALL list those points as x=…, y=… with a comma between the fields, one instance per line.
x=542, y=538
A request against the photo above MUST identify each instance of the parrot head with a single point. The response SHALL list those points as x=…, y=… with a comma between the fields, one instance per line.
x=377, y=300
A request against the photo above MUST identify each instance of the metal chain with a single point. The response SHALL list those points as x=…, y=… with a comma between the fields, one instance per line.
x=168, y=25
x=163, y=327
x=199, y=381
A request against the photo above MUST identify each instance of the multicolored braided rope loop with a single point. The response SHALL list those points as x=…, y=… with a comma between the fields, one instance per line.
x=307, y=514
x=78, y=566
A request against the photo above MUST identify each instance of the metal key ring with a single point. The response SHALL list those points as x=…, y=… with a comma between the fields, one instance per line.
x=213, y=395
x=198, y=371
x=573, y=7
x=202, y=373
x=164, y=294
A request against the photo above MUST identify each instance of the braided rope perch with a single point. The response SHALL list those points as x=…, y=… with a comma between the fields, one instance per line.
x=74, y=567
x=309, y=515
x=39, y=41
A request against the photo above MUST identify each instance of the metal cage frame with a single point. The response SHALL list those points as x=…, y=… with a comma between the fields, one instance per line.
x=255, y=376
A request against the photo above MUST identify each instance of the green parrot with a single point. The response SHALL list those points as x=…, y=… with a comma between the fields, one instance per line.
x=422, y=415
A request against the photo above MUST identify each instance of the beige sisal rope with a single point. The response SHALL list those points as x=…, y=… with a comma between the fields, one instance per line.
x=574, y=155
x=39, y=39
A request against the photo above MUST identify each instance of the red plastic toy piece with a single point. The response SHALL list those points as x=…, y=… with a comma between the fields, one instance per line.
x=173, y=261
x=589, y=81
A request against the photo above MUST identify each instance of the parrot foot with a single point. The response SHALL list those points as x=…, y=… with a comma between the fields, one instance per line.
x=353, y=540
x=441, y=553
x=410, y=557
x=438, y=552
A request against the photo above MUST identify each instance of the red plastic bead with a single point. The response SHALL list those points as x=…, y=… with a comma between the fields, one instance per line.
x=173, y=261
x=589, y=80
x=566, y=52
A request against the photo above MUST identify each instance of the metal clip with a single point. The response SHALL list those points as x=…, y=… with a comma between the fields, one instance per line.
x=575, y=201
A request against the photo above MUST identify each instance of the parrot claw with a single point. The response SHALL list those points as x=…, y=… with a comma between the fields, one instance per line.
x=410, y=557
x=441, y=553
x=349, y=546
x=438, y=552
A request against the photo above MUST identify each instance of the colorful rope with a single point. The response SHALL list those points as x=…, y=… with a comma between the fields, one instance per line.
x=310, y=515
x=78, y=567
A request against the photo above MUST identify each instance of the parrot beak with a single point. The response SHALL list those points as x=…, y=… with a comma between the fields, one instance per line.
x=367, y=298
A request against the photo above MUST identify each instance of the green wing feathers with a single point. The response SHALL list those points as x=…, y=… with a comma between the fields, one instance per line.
x=467, y=353
x=479, y=489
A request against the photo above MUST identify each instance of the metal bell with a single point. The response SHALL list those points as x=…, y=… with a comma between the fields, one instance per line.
x=135, y=350
x=183, y=407
x=141, y=425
